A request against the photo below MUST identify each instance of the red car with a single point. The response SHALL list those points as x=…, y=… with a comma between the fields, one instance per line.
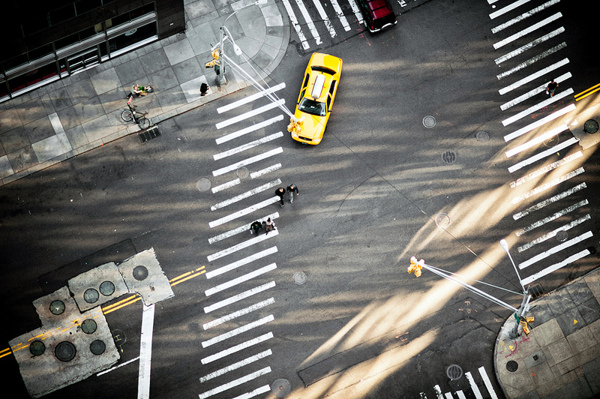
x=378, y=14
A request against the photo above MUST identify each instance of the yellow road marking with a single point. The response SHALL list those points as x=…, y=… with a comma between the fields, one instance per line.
x=591, y=90
x=106, y=310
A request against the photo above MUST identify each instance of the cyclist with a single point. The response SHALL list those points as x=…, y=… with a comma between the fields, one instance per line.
x=291, y=189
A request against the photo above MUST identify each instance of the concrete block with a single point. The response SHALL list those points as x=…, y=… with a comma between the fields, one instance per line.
x=142, y=274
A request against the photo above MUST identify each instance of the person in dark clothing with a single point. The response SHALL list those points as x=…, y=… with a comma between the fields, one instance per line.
x=551, y=87
x=291, y=189
x=280, y=192
x=203, y=89
x=255, y=227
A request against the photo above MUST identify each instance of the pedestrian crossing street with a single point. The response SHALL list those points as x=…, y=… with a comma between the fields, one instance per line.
x=553, y=222
x=315, y=21
x=478, y=384
x=236, y=349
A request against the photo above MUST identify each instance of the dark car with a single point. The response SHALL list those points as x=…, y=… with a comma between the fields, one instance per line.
x=378, y=14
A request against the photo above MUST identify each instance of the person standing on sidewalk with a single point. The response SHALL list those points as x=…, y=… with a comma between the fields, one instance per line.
x=551, y=87
x=280, y=192
x=291, y=189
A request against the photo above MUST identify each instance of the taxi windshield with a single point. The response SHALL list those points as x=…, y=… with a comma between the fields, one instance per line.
x=312, y=107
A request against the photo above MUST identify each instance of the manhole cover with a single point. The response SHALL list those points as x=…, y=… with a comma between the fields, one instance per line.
x=449, y=157
x=442, y=220
x=512, y=366
x=89, y=326
x=140, y=273
x=429, y=121
x=454, y=372
x=482, y=136
x=65, y=351
x=57, y=307
x=203, y=184
x=590, y=126
x=299, y=278
x=562, y=236
x=97, y=347
x=242, y=172
x=37, y=348
x=91, y=295
x=281, y=388
x=107, y=288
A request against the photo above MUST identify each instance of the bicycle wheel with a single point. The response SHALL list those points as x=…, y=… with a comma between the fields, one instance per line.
x=127, y=115
x=143, y=123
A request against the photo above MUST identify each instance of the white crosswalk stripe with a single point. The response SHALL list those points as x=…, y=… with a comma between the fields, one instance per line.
x=548, y=188
x=472, y=386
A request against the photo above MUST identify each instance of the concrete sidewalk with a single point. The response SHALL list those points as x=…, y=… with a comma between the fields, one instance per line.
x=560, y=358
x=83, y=112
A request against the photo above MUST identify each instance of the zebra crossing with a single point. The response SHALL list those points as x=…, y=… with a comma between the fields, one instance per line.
x=316, y=21
x=474, y=388
x=548, y=189
x=236, y=350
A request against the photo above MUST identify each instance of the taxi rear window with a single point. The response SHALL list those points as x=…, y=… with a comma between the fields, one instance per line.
x=323, y=69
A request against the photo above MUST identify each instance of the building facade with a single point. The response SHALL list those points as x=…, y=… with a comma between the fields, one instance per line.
x=59, y=38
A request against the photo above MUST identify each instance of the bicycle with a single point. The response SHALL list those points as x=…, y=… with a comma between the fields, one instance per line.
x=131, y=114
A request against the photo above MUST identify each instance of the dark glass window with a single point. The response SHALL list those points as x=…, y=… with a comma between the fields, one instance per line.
x=33, y=77
x=14, y=62
x=84, y=6
x=131, y=37
x=62, y=14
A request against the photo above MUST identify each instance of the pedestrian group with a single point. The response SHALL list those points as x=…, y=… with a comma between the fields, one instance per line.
x=269, y=225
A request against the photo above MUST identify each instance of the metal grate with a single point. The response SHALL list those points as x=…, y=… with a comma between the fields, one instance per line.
x=149, y=134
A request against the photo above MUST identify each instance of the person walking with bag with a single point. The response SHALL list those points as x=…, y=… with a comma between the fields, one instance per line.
x=280, y=192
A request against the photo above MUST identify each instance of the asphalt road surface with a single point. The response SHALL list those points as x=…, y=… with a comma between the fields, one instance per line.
x=413, y=163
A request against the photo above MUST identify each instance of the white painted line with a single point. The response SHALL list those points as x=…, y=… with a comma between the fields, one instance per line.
x=543, y=121
x=245, y=195
x=249, y=145
x=237, y=348
x=460, y=395
x=545, y=169
x=235, y=383
x=542, y=155
x=325, y=18
x=356, y=11
x=556, y=266
x=241, y=279
x=241, y=262
x=340, y=15
x=534, y=76
x=508, y=8
x=555, y=249
x=249, y=129
x=242, y=245
x=56, y=123
x=546, y=186
x=237, y=365
x=248, y=161
x=238, y=313
x=448, y=395
x=227, y=185
x=254, y=393
x=529, y=45
x=242, y=229
x=250, y=114
x=549, y=201
x=239, y=297
x=553, y=233
x=118, y=366
x=534, y=92
x=237, y=331
x=295, y=24
x=532, y=60
x=311, y=26
x=264, y=171
x=524, y=16
x=474, y=386
x=251, y=98
x=145, y=352
x=535, y=141
x=538, y=106
x=528, y=30
x=488, y=383
x=552, y=217
x=244, y=212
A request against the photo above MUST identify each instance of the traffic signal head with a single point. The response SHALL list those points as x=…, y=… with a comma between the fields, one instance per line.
x=415, y=266
x=295, y=126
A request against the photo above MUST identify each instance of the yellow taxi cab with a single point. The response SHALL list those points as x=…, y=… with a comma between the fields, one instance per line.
x=321, y=80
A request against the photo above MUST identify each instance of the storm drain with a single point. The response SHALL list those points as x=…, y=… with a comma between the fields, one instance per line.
x=454, y=372
x=149, y=134
x=449, y=157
